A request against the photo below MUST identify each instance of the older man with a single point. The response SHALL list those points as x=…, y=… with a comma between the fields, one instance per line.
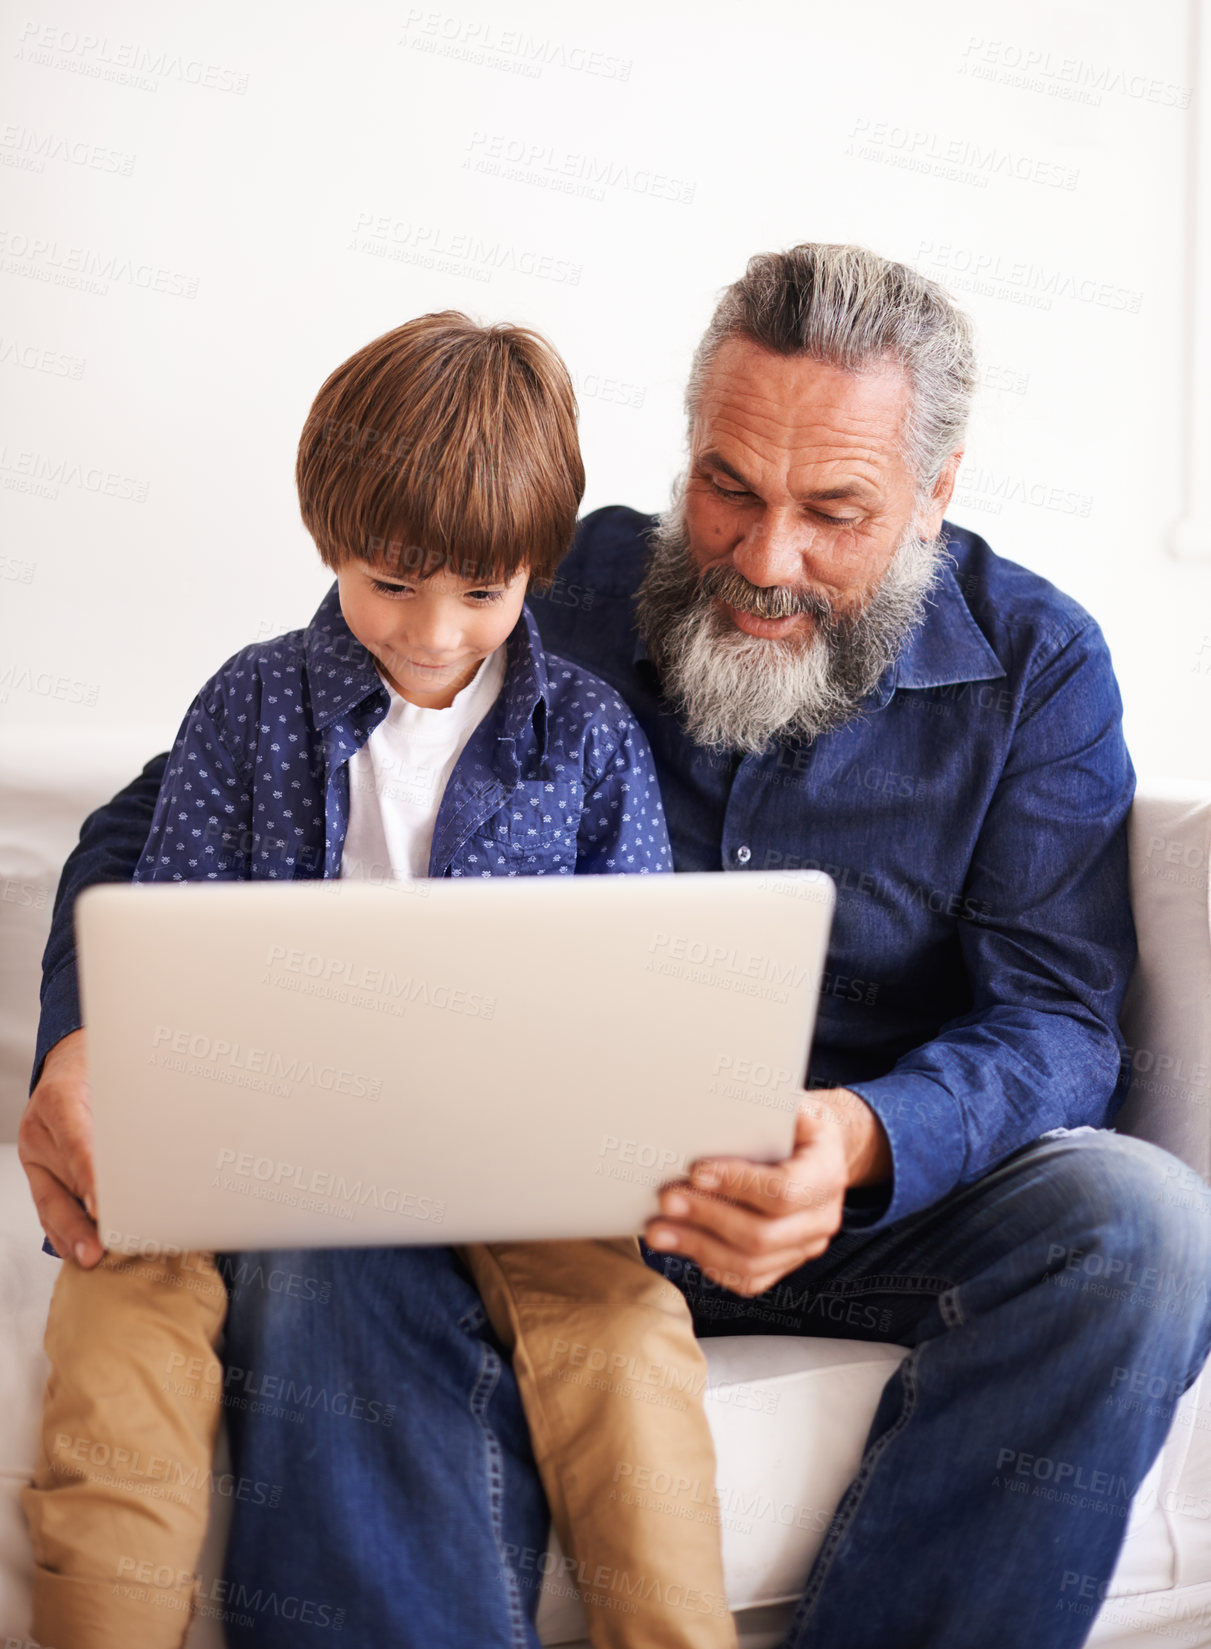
x=831, y=676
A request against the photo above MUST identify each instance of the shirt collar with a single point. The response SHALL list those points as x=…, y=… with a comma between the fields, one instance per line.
x=946, y=648
x=341, y=673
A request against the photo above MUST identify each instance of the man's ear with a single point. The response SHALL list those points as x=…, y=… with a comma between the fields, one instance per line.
x=929, y=522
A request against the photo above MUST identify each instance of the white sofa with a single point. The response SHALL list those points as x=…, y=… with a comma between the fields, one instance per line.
x=789, y=1416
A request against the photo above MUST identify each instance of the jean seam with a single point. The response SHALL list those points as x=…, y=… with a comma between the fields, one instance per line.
x=840, y=1527
x=950, y=1309
x=481, y=1394
x=874, y=1283
x=473, y=1319
x=889, y=1282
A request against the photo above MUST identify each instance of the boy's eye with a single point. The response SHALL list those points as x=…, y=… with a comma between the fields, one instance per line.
x=479, y=598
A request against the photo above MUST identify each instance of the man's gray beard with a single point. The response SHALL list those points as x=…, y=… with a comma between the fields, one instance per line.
x=739, y=692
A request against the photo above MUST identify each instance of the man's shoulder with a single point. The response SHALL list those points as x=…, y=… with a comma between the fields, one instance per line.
x=609, y=551
x=587, y=613
x=1017, y=610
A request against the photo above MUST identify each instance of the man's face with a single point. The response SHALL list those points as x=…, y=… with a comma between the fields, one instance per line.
x=797, y=559
x=797, y=481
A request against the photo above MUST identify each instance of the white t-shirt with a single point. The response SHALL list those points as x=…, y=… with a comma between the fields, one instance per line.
x=398, y=777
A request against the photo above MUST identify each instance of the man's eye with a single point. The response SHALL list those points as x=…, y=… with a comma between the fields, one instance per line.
x=729, y=492
x=838, y=520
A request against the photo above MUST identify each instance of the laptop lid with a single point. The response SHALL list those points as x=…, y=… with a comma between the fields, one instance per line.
x=321, y=1064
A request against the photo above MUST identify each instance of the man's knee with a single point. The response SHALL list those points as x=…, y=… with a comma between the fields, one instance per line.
x=1132, y=1221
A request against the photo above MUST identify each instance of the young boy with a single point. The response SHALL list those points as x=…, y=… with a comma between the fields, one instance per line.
x=414, y=728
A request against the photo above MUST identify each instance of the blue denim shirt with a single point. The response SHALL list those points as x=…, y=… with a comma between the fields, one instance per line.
x=974, y=822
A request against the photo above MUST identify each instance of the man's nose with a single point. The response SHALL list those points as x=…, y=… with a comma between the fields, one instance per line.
x=778, y=547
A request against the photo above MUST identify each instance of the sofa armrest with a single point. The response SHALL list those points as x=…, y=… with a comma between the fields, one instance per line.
x=1167, y=1014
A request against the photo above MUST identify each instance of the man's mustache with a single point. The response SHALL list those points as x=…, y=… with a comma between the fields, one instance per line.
x=763, y=600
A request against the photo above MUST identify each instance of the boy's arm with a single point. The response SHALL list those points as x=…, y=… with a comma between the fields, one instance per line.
x=622, y=826
x=201, y=826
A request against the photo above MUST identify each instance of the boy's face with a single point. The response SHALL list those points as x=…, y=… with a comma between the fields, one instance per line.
x=428, y=635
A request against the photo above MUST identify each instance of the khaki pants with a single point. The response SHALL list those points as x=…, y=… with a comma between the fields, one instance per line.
x=118, y=1506
x=609, y=1372
x=612, y=1377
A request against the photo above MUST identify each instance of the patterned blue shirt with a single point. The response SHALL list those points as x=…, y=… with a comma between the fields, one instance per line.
x=556, y=779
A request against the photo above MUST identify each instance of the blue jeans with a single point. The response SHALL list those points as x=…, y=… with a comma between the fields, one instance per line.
x=384, y=1482
x=1000, y=1464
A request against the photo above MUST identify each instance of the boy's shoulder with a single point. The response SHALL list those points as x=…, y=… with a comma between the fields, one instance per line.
x=576, y=694
x=269, y=659
x=324, y=645
x=583, y=713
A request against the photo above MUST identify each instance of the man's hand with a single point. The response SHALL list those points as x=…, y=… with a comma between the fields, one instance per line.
x=746, y=1225
x=55, y=1144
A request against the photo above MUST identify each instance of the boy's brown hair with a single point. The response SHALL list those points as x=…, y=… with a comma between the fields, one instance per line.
x=444, y=444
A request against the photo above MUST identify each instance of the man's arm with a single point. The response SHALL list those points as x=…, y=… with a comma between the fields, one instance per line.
x=111, y=840
x=54, y=1140
x=1040, y=1047
x=188, y=816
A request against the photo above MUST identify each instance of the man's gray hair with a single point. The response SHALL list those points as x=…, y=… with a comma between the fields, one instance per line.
x=848, y=307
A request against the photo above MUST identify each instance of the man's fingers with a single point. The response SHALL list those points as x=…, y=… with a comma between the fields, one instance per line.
x=54, y=1144
x=750, y=1232
x=770, y=1189
x=65, y=1136
x=720, y=1263
x=75, y=1152
x=56, y=1134
x=767, y=1188
x=747, y=1224
x=66, y=1224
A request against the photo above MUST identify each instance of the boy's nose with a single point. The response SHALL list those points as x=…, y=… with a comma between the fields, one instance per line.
x=432, y=642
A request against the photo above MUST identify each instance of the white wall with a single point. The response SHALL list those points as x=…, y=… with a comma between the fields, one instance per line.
x=273, y=185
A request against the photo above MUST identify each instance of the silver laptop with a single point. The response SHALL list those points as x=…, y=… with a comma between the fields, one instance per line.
x=324, y=1064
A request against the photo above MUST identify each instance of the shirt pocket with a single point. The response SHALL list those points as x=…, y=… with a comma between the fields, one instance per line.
x=535, y=832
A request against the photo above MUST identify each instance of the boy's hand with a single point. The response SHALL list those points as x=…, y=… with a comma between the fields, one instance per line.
x=746, y=1225
x=55, y=1144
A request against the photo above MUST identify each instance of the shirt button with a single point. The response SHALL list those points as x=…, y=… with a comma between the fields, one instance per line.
x=743, y=854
